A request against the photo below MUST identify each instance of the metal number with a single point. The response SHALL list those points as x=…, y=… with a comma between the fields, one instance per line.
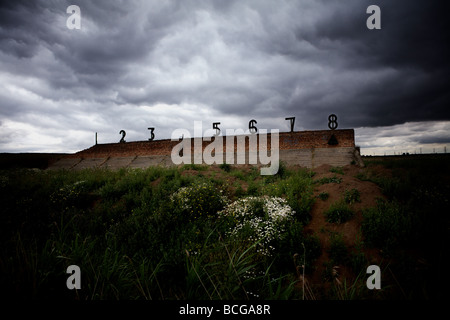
x=123, y=133
x=292, y=120
x=251, y=126
x=216, y=126
x=332, y=121
x=152, y=134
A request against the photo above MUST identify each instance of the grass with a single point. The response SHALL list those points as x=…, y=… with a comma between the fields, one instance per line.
x=337, y=250
x=145, y=234
x=338, y=170
x=412, y=218
x=341, y=290
x=389, y=226
x=156, y=233
x=339, y=212
x=225, y=167
x=352, y=196
x=325, y=180
x=323, y=196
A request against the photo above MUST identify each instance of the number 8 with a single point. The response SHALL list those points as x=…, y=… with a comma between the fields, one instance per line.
x=332, y=121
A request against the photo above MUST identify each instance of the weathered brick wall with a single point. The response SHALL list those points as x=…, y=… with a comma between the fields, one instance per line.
x=287, y=141
x=304, y=148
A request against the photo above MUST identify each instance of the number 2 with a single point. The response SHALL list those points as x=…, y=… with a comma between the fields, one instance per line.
x=123, y=133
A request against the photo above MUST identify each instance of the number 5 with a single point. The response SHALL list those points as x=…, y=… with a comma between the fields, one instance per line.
x=216, y=126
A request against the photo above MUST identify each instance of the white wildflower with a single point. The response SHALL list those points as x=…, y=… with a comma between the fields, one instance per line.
x=277, y=213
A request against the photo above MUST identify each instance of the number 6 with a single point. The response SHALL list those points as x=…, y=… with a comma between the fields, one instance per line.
x=251, y=126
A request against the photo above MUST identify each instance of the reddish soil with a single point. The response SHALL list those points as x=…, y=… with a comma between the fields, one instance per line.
x=350, y=230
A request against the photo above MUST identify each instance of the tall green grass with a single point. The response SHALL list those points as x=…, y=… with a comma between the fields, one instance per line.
x=142, y=234
x=409, y=225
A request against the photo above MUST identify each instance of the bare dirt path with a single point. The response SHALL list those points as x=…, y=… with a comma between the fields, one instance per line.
x=350, y=230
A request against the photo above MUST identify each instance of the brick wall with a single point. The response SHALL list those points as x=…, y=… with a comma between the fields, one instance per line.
x=304, y=148
x=287, y=141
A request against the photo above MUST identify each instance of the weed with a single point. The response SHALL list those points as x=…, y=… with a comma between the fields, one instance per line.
x=260, y=218
x=195, y=167
x=338, y=212
x=329, y=271
x=342, y=291
x=363, y=176
x=238, y=174
x=199, y=199
x=352, y=196
x=337, y=250
x=388, y=225
x=338, y=170
x=225, y=167
x=282, y=170
x=238, y=192
x=326, y=180
x=323, y=196
x=253, y=188
x=133, y=241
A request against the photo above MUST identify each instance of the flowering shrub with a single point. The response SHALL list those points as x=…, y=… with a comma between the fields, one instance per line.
x=261, y=219
x=199, y=200
x=68, y=195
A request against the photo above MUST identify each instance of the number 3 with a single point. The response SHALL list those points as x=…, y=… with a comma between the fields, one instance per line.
x=152, y=134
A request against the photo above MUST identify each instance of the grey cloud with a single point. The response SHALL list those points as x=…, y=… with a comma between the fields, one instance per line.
x=434, y=139
x=236, y=59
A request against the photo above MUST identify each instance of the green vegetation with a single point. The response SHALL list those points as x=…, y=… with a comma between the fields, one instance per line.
x=411, y=224
x=337, y=251
x=339, y=212
x=333, y=179
x=357, y=259
x=323, y=196
x=154, y=233
x=225, y=167
x=338, y=170
x=228, y=233
x=352, y=196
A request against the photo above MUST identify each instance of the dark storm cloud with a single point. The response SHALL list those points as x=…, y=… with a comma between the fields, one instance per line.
x=425, y=140
x=410, y=52
x=230, y=60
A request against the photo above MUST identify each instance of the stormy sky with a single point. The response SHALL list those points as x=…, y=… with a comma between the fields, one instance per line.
x=165, y=64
